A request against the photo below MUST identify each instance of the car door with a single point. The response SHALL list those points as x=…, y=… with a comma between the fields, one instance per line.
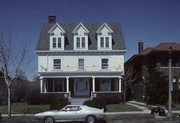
x=68, y=113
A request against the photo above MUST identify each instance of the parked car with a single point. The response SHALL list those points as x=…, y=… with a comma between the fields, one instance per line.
x=72, y=113
x=158, y=111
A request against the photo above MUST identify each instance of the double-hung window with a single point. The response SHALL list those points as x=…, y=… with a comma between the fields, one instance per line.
x=57, y=63
x=104, y=63
x=80, y=42
x=80, y=64
x=57, y=43
x=104, y=42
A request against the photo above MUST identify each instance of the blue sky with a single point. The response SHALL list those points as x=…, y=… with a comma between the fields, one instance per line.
x=152, y=21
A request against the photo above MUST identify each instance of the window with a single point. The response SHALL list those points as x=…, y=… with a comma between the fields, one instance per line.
x=104, y=42
x=105, y=85
x=59, y=85
x=57, y=63
x=80, y=42
x=56, y=42
x=81, y=64
x=104, y=63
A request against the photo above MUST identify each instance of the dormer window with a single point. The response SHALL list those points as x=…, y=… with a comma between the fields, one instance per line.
x=56, y=36
x=57, y=42
x=104, y=37
x=80, y=37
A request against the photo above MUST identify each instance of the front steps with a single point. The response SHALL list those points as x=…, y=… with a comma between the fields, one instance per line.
x=79, y=100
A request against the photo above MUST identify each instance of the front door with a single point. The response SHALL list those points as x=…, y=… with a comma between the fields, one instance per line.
x=81, y=87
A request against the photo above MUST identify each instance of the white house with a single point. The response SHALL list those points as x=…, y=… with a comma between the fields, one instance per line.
x=80, y=59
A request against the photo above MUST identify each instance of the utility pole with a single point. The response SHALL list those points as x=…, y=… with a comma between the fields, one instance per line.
x=170, y=84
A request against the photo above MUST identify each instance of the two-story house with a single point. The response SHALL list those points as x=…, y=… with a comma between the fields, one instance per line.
x=80, y=59
x=154, y=58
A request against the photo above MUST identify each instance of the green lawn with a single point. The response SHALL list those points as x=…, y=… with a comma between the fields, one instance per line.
x=24, y=108
x=121, y=108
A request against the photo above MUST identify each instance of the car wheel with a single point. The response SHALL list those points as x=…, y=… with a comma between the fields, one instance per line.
x=48, y=120
x=90, y=119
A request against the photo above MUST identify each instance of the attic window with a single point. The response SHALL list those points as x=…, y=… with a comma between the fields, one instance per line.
x=56, y=42
x=104, y=37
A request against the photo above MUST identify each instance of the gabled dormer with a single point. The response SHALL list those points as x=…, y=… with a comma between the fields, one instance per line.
x=56, y=37
x=80, y=37
x=104, y=37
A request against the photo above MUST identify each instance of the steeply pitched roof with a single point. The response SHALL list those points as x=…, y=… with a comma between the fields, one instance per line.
x=117, y=36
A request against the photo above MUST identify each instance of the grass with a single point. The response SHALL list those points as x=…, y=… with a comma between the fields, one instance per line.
x=177, y=107
x=24, y=108
x=121, y=108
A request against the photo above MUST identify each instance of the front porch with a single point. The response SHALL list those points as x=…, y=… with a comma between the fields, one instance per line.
x=81, y=87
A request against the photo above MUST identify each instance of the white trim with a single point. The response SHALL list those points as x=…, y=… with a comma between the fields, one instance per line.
x=67, y=84
x=41, y=85
x=75, y=42
x=73, y=51
x=93, y=84
x=101, y=27
x=104, y=39
x=56, y=25
x=119, y=84
x=51, y=43
x=80, y=24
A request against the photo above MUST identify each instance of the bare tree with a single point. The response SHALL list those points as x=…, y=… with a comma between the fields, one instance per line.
x=13, y=58
x=128, y=79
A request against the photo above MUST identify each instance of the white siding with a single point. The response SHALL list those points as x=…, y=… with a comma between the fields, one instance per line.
x=91, y=63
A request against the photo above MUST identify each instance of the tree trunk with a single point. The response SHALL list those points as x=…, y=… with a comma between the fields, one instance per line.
x=124, y=96
x=9, y=101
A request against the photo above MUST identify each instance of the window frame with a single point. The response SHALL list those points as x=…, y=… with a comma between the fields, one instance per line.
x=55, y=65
x=83, y=42
x=103, y=44
x=104, y=66
x=56, y=43
x=80, y=67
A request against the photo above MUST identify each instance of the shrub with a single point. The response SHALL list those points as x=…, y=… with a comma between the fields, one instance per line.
x=109, y=98
x=96, y=103
x=59, y=104
x=176, y=96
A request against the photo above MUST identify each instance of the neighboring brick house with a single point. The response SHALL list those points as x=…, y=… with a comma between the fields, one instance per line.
x=80, y=59
x=154, y=58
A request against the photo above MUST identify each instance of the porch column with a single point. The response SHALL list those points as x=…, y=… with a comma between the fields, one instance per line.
x=45, y=85
x=67, y=84
x=41, y=85
x=119, y=84
x=93, y=84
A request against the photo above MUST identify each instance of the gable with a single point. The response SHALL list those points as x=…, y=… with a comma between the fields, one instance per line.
x=80, y=30
x=104, y=29
x=56, y=30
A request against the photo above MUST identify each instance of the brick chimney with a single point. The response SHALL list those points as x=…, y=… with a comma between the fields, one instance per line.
x=140, y=45
x=52, y=19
